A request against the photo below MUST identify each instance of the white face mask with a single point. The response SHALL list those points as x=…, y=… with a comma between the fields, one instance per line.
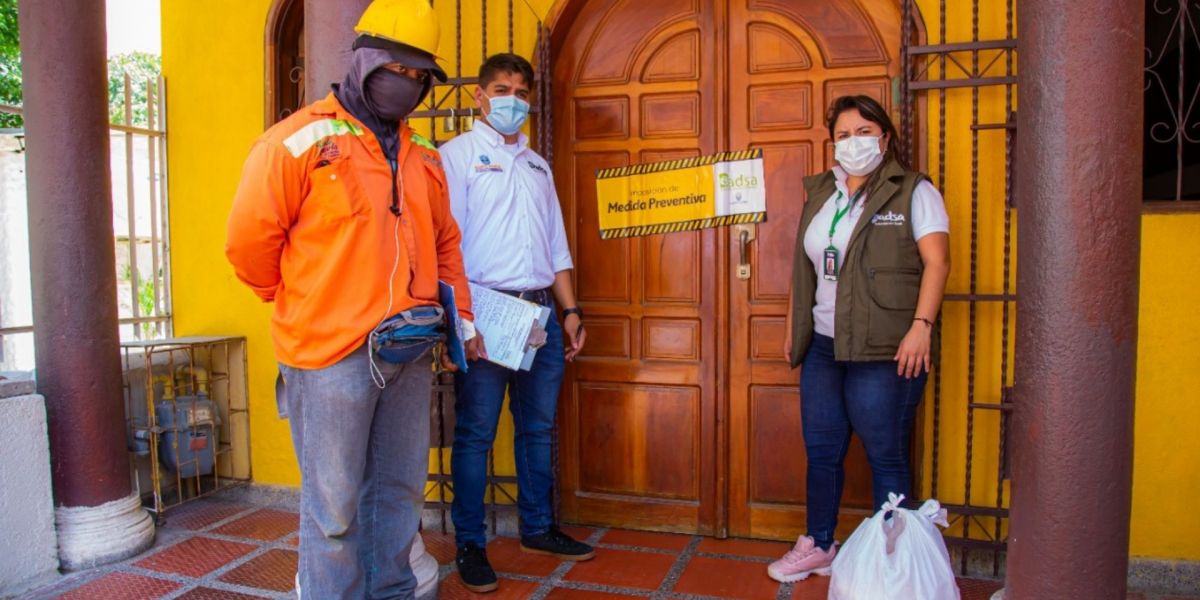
x=858, y=155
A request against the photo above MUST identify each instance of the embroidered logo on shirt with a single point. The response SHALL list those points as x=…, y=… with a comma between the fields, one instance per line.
x=486, y=165
x=432, y=159
x=328, y=150
x=888, y=218
x=537, y=167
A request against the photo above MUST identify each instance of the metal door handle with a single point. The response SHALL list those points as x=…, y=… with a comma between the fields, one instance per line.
x=745, y=235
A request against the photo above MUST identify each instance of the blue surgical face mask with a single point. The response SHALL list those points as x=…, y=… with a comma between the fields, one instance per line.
x=508, y=113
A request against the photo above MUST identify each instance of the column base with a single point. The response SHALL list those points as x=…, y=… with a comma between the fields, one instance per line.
x=90, y=536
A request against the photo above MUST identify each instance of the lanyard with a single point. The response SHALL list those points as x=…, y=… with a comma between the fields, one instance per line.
x=841, y=212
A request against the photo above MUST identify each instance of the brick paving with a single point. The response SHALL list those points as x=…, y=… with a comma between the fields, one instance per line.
x=216, y=549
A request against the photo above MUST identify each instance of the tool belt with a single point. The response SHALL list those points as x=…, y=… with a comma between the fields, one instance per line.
x=408, y=335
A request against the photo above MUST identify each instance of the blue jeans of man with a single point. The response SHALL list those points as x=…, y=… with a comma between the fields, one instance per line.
x=867, y=398
x=533, y=398
x=364, y=459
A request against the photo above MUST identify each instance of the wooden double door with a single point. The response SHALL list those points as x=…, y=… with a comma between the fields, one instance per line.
x=682, y=414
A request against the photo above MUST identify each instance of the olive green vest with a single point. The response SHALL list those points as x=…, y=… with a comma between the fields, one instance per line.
x=880, y=274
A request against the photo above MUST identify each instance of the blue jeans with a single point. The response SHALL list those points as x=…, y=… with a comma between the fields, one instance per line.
x=867, y=398
x=533, y=398
x=364, y=459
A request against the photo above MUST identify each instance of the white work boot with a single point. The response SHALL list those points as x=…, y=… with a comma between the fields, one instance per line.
x=424, y=568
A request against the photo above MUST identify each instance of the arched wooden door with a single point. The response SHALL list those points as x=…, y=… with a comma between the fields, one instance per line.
x=682, y=414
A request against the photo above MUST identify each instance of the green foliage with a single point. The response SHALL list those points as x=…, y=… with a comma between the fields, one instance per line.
x=143, y=69
x=146, y=304
x=10, y=61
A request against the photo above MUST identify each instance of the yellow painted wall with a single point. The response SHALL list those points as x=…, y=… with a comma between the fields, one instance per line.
x=1166, y=457
x=213, y=60
x=964, y=377
x=213, y=63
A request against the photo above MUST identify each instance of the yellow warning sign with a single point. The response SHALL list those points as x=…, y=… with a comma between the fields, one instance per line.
x=682, y=195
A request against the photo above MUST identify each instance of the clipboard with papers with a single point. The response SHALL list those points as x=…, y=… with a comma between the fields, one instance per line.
x=507, y=323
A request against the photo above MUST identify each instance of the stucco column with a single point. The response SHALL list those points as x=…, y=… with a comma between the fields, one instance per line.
x=328, y=34
x=1079, y=210
x=73, y=267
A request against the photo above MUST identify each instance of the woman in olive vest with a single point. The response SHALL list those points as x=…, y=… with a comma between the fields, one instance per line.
x=871, y=260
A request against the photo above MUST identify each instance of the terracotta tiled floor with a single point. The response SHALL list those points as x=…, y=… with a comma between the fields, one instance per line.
x=738, y=547
x=571, y=594
x=726, y=578
x=274, y=570
x=506, y=556
x=646, y=539
x=219, y=550
x=266, y=525
x=199, y=516
x=204, y=593
x=195, y=557
x=121, y=585
x=623, y=568
x=452, y=588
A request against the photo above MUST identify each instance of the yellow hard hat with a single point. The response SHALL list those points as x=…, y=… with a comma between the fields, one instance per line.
x=409, y=22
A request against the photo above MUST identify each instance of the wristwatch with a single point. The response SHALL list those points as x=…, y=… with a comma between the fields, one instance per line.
x=574, y=310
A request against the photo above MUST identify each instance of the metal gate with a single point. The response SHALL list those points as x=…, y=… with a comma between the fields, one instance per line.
x=971, y=398
x=449, y=110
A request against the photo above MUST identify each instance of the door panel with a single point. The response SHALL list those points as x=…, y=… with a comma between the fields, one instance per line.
x=599, y=280
x=639, y=418
x=681, y=413
x=653, y=433
x=789, y=57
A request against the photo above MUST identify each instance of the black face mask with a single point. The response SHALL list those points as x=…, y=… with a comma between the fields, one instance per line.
x=392, y=96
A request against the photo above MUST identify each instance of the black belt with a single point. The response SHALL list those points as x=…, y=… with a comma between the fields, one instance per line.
x=541, y=296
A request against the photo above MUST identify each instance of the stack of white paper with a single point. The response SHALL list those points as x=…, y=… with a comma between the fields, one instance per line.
x=505, y=322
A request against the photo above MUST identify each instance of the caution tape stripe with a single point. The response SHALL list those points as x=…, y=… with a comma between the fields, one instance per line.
x=640, y=230
x=677, y=164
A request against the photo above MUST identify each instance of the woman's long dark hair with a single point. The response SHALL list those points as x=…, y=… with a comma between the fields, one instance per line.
x=873, y=111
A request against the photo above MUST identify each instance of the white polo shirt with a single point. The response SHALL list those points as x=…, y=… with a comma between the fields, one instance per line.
x=928, y=216
x=503, y=197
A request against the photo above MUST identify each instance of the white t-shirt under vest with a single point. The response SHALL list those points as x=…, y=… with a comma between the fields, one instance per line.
x=928, y=216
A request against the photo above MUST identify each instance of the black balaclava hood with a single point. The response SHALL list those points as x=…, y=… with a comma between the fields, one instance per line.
x=353, y=96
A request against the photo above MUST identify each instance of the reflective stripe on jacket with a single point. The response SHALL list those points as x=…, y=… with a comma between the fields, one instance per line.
x=311, y=230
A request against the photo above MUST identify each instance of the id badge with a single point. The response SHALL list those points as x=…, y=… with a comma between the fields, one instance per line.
x=831, y=264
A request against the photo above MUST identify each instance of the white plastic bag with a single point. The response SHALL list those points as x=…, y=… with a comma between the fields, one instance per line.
x=902, y=557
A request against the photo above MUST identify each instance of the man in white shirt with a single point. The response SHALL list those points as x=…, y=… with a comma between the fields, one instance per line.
x=513, y=241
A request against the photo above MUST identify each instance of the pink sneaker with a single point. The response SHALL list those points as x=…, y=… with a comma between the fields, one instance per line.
x=801, y=561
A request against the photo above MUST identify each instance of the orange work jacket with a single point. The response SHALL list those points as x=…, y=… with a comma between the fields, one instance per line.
x=312, y=231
